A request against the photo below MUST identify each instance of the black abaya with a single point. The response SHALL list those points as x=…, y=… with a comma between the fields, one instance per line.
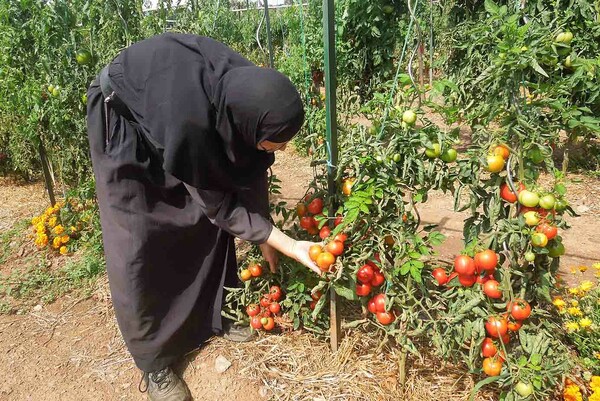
x=173, y=190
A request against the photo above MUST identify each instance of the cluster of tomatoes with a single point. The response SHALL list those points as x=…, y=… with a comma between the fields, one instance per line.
x=498, y=328
x=469, y=271
x=497, y=158
x=308, y=215
x=261, y=315
x=326, y=256
x=254, y=270
x=538, y=212
x=376, y=306
x=368, y=278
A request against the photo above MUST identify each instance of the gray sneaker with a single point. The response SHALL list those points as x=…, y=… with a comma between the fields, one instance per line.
x=165, y=385
x=238, y=334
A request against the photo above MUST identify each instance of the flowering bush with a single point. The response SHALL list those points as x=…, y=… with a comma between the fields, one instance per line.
x=579, y=311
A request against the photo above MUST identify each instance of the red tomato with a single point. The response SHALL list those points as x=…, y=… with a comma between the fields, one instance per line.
x=492, y=366
x=519, y=309
x=362, y=290
x=308, y=222
x=486, y=261
x=488, y=348
x=265, y=301
x=440, y=275
x=496, y=326
x=337, y=221
x=269, y=325
x=378, y=279
x=505, y=339
x=548, y=229
x=467, y=281
x=275, y=308
x=313, y=230
x=492, y=290
x=385, y=318
x=484, y=279
x=316, y=206
x=336, y=248
x=464, y=265
x=275, y=293
x=508, y=195
x=316, y=295
x=514, y=325
x=371, y=306
x=325, y=232
x=380, y=302
x=252, y=310
x=255, y=322
x=340, y=237
x=365, y=274
x=313, y=304
x=255, y=270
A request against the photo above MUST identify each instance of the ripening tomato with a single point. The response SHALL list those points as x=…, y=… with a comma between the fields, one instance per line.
x=519, y=309
x=275, y=293
x=514, y=325
x=301, y=210
x=325, y=260
x=365, y=274
x=528, y=198
x=255, y=322
x=336, y=248
x=269, y=325
x=347, y=186
x=255, y=270
x=486, y=261
x=385, y=318
x=325, y=232
x=252, y=310
x=265, y=301
x=362, y=290
x=314, y=251
x=496, y=326
x=338, y=220
x=440, y=275
x=508, y=195
x=464, y=265
x=495, y=163
x=245, y=275
x=340, y=237
x=275, y=308
x=380, y=300
x=492, y=366
x=308, y=222
x=371, y=306
x=488, y=348
x=531, y=218
x=378, y=279
x=539, y=240
x=505, y=339
x=502, y=151
x=492, y=290
x=467, y=281
x=548, y=229
x=315, y=206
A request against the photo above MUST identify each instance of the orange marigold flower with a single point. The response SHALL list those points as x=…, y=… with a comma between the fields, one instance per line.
x=56, y=243
x=572, y=393
x=63, y=250
x=64, y=239
x=59, y=229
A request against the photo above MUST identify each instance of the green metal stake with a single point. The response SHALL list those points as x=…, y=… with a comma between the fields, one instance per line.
x=269, y=43
x=332, y=143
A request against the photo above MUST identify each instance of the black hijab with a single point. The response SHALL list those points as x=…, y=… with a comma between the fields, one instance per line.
x=204, y=108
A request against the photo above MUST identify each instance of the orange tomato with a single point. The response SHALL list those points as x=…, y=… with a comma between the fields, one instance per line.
x=325, y=260
x=502, y=150
x=314, y=251
x=245, y=275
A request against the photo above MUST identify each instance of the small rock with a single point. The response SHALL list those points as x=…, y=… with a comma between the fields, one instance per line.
x=37, y=308
x=221, y=364
x=583, y=209
x=263, y=391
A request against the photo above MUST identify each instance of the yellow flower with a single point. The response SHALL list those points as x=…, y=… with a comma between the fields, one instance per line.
x=586, y=285
x=595, y=396
x=41, y=240
x=35, y=221
x=40, y=228
x=56, y=243
x=73, y=229
x=574, y=270
x=595, y=383
x=574, y=303
x=59, y=229
x=52, y=221
x=582, y=268
x=574, y=311
x=63, y=250
x=585, y=322
x=572, y=393
x=571, y=326
x=559, y=303
x=574, y=291
x=596, y=266
x=64, y=239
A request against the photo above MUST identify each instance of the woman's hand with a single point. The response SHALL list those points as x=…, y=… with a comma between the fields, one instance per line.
x=271, y=256
x=297, y=250
x=300, y=254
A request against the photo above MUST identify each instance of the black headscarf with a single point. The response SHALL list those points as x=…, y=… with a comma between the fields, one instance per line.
x=204, y=108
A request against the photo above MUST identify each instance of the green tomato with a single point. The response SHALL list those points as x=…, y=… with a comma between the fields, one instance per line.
x=409, y=117
x=561, y=205
x=568, y=37
x=449, y=155
x=536, y=156
x=434, y=151
x=372, y=130
x=531, y=218
x=548, y=201
x=502, y=56
x=84, y=98
x=528, y=198
x=568, y=63
x=379, y=159
x=396, y=157
x=83, y=57
x=560, y=38
x=556, y=249
x=55, y=91
x=388, y=9
x=524, y=389
x=529, y=256
x=50, y=88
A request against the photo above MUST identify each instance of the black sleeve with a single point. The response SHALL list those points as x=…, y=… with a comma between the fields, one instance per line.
x=243, y=214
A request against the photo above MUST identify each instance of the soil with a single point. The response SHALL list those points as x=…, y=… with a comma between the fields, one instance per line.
x=72, y=349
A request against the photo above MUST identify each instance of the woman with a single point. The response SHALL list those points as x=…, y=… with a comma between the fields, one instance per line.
x=182, y=131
